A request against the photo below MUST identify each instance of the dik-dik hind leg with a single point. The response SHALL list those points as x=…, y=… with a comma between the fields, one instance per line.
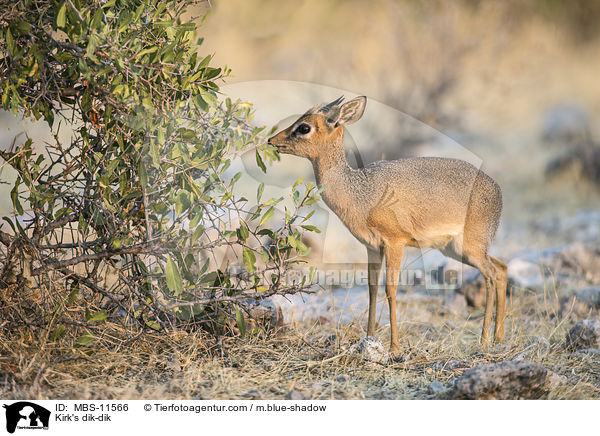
x=478, y=258
x=374, y=267
x=487, y=269
x=501, y=281
x=393, y=260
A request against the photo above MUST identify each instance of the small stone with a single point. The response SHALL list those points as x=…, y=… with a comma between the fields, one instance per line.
x=577, y=260
x=555, y=379
x=174, y=365
x=473, y=289
x=266, y=313
x=591, y=296
x=573, y=307
x=501, y=381
x=254, y=394
x=371, y=349
x=295, y=395
x=435, y=388
x=584, y=334
x=317, y=387
x=580, y=304
x=590, y=354
x=342, y=378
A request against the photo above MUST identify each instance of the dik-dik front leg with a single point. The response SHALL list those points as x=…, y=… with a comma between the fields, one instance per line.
x=393, y=260
x=374, y=259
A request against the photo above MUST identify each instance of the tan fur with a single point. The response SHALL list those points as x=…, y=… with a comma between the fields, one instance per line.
x=447, y=204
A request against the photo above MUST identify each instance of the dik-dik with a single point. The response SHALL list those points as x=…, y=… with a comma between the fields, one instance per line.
x=446, y=204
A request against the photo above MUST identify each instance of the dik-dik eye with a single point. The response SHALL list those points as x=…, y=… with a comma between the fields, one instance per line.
x=302, y=129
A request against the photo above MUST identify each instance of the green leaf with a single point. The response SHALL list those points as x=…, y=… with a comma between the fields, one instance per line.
x=174, y=280
x=260, y=162
x=153, y=325
x=14, y=196
x=146, y=51
x=143, y=174
x=243, y=232
x=85, y=340
x=182, y=202
x=209, y=98
x=10, y=42
x=97, y=316
x=10, y=223
x=267, y=216
x=73, y=294
x=23, y=27
x=259, y=192
x=297, y=182
x=249, y=259
x=240, y=321
x=61, y=17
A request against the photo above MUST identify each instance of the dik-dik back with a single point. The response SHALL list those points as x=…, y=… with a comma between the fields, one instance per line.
x=431, y=198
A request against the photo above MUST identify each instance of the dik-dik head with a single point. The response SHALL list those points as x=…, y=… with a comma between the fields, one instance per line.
x=318, y=128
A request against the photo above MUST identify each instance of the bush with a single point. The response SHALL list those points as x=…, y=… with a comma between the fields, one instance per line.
x=124, y=222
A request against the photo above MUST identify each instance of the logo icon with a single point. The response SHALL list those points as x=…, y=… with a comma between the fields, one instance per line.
x=26, y=415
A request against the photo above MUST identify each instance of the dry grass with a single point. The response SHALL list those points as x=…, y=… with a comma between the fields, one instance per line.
x=308, y=357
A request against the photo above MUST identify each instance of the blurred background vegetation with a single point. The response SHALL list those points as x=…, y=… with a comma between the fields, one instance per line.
x=515, y=82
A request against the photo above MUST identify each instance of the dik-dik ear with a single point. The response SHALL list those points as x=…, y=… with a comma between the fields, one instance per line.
x=351, y=111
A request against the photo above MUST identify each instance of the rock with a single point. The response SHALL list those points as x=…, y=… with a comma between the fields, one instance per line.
x=435, y=388
x=268, y=312
x=473, y=289
x=342, y=378
x=501, y=381
x=572, y=307
x=580, y=304
x=584, y=334
x=591, y=354
x=265, y=314
x=538, y=348
x=317, y=387
x=371, y=349
x=575, y=260
x=555, y=379
x=254, y=394
x=174, y=364
x=590, y=296
x=295, y=395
